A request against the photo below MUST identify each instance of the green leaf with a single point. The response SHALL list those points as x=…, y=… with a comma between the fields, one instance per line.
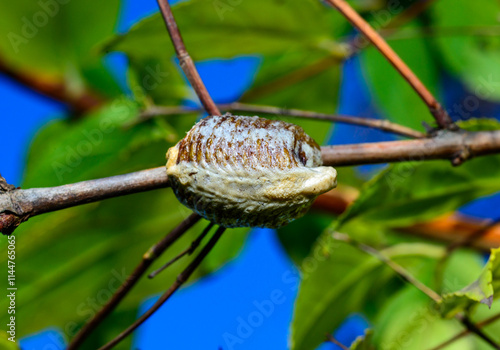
x=314, y=89
x=244, y=27
x=52, y=39
x=77, y=257
x=5, y=343
x=481, y=290
x=363, y=342
x=408, y=321
x=288, y=34
x=339, y=279
x=410, y=192
x=394, y=96
x=474, y=58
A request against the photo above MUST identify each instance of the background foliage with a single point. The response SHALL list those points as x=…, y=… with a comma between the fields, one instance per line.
x=66, y=256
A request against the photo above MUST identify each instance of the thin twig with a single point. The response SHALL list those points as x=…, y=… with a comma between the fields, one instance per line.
x=18, y=205
x=187, y=251
x=402, y=272
x=465, y=144
x=440, y=115
x=181, y=279
x=332, y=339
x=147, y=259
x=297, y=75
x=468, y=240
x=471, y=327
x=381, y=124
x=185, y=60
x=466, y=332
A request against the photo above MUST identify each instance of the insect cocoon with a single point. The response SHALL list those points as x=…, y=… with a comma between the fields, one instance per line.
x=248, y=171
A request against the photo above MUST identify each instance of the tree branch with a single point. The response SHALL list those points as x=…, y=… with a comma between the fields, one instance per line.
x=401, y=271
x=381, y=124
x=185, y=60
x=181, y=279
x=19, y=205
x=147, y=259
x=79, y=104
x=458, y=146
x=440, y=115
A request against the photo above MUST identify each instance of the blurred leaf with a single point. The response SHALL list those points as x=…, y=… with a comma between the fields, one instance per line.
x=409, y=192
x=394, y=96
x=481, y=290
x=339, y=279
x=363, y=342
x=52, y=39
x=288, y=34
x=299, y=236
x=226, y=29
x=77, y=257
x=154, y=81
x=318, y=92
x=6, y=344
x=407, y=321
x=475, y=58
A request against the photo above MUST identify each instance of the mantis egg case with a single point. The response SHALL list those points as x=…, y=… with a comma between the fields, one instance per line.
x=241, y=171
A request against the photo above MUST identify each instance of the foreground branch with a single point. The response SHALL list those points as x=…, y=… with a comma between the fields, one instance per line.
x=380, y=124
x=440, y=115
x=17, y=206
x=458, y=146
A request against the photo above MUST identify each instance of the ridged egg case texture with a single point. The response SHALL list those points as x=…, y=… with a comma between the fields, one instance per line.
x=241, y=171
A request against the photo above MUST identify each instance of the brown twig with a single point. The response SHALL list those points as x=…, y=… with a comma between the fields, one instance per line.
x=17, y=206
x=185, y=60
x=381, y=124
x=187, y=251
x=468, y=240
x=181, y=279
x=80, y=103
x=445, y=228
x=456, y=244
x=296, y=76
x=147, y=259
x=342, y=52
x=21, y=204
x=447, y=146
x=332, y=339
x=440, y=115
x=466, y=332
x=472, y=328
